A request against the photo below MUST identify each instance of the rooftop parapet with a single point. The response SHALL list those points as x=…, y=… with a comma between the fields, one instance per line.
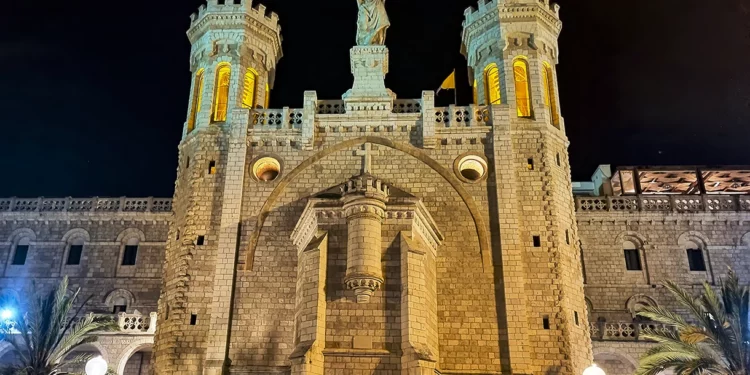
x=510, y=7
x=232, y=7
x=80, y=205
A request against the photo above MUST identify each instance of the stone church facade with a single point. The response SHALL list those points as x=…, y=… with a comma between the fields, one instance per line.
x=370, y=234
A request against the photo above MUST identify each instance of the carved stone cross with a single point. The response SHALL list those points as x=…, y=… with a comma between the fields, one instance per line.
x=367, y=153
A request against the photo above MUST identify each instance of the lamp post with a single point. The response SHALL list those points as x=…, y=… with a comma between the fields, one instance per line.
x=593, y=370
x=96, y=366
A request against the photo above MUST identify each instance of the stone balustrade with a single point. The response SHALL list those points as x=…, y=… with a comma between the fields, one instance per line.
x=137, y=323
x=624, y=331
x=664, y=203
x=462, y=117
x=95, y=204
x=285, y=118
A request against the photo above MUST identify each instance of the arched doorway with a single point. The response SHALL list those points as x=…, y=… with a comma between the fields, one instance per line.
x=137, y=361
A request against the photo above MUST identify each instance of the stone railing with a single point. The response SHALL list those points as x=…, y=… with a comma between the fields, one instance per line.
x=407, y=106
x=123, y=204
x=664, y=203
x=624, y=331
x=285, y=118
x=136, y=323
x=331, y=107
x=461, y=117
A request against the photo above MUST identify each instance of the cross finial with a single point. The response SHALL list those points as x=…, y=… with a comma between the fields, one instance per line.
x=367, y=153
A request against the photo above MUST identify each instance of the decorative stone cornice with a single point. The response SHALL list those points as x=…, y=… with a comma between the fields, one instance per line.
x=364, y=286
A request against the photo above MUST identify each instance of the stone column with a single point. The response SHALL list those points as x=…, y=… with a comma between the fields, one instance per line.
x=364, y=200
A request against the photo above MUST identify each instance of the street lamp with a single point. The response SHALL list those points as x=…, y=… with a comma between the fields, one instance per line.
x=96, y=366
x=593, y=370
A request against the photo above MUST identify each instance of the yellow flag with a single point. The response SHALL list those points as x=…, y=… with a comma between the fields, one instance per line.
x=449, y=83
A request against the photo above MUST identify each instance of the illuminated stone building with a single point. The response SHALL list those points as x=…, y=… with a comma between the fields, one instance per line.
x=373, y=234
x=380, y=235
x=641, y=226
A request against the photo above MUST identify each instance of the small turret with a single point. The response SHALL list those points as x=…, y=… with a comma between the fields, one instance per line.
x=511, y=48
x=235, y=51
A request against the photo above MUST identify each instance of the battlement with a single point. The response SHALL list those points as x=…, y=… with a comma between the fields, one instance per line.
x=472, y=14
x=367, y=185
x=236, y=7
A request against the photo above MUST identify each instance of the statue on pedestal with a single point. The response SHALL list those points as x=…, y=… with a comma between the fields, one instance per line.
x=372, y=23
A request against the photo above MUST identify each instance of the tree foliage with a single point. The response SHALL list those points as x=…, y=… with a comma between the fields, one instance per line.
x=713, y=340
x=44, y=335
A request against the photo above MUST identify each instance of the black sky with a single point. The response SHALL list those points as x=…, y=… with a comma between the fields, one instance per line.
x=94, y=93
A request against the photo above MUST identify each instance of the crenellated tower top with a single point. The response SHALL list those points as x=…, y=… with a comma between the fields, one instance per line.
x=236, y=47
x=514, y=9
x=511, y=47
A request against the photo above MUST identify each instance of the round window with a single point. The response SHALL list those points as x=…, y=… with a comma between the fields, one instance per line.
x=266, y=169
x=471, y=168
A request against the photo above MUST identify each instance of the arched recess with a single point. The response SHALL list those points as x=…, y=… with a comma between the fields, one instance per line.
x=77, y=232
x=447, y=174
x=146, y=342
x=21, y=233
x=119, y=293
x=131, y=233
x=631, y=236
x=745, y=239
x=639, y=301
x=693, y=236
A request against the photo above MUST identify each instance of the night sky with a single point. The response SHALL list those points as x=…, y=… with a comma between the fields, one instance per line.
x=94, y=93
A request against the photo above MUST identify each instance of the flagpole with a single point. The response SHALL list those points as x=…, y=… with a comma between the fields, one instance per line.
x=455, y=89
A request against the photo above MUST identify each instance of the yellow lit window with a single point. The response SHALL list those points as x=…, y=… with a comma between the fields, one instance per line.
x=248, y=91
x=550, y=100
x=195, y=106
x=221, y=97
x=492, y=84
x=523, y=99
x=268, y=96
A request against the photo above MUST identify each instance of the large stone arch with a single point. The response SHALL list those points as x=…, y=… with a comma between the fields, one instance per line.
x=447, y=174
x=615, y=362
x=137, y=345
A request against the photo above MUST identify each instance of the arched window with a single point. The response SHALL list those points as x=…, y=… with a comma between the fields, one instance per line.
x=195, y=106
x=696, y=261
x=248, y=89
x=75, y=251
x=130, y=252
x=632, y=256
x=550, y=100
x=492, y=84
x=523, y=97
x=221, y=96
x=21, y=252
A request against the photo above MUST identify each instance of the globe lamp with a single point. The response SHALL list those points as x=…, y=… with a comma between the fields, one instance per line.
x=96, y=366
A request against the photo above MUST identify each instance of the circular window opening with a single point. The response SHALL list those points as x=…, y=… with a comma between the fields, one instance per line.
x=472, y=168
x=267, y=169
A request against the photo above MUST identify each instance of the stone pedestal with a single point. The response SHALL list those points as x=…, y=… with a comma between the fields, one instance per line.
x=369, y=67
x=364, y=207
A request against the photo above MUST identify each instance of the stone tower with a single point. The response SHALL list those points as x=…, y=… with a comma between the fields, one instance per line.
x=512, y=48
x=235, y=49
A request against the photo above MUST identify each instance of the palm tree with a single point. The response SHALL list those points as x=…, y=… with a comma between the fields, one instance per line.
x=714, y=340
x=47, y=333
